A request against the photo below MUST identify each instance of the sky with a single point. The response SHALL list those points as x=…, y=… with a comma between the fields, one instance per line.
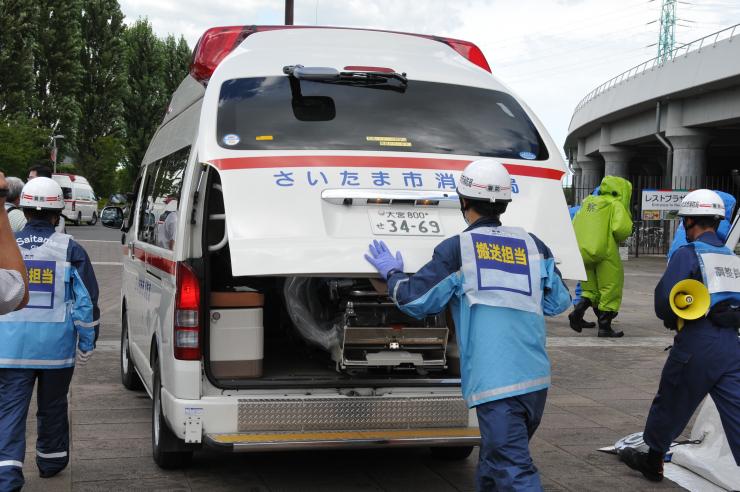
x=551, y=53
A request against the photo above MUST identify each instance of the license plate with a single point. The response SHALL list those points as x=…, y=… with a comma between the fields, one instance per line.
x=387, y=222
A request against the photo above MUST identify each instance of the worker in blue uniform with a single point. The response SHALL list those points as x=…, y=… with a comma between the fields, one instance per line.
x=705, y=357
x=499, y=282
x=41, y=342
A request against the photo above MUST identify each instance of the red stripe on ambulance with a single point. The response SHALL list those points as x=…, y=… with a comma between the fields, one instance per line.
x=235, y=163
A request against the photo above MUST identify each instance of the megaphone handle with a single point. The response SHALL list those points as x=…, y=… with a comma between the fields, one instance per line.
x=680, y=324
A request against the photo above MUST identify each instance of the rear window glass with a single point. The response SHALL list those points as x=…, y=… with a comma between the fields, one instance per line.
x=67, y=192
x=262, y=113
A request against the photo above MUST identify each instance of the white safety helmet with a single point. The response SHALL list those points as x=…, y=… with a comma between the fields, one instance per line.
x=42, y=194
x=702, y=203
x=487, y=180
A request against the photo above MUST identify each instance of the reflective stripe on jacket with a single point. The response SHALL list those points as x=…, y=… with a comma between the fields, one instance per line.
x=502, y=343
x=44, y=334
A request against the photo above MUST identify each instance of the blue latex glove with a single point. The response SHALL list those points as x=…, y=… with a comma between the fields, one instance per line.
x=381, y=258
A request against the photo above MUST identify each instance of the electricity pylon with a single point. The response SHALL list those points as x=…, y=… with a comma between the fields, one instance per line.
x=667, y=35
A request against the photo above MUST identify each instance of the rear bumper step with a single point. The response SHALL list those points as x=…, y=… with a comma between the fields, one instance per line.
x=275, y=441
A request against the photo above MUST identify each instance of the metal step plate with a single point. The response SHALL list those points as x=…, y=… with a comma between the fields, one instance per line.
x=351, y=413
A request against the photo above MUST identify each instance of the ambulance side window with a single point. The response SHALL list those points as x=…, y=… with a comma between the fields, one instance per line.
x=146, y=224
x=160, y=199
x=133, y=200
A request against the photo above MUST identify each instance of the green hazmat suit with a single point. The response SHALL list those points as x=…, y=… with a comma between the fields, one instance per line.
x=600, y=225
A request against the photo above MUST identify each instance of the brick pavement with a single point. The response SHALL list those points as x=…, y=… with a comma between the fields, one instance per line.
x=601, y=391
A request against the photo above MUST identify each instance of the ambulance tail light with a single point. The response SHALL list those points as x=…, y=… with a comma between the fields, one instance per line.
x=187, y=314
x=468, y=50
x=213, y=47
x=74, y=204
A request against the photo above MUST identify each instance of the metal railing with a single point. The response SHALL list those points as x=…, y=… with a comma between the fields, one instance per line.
x=696, y=45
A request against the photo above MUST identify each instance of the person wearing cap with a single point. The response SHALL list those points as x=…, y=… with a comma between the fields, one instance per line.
x=499, y=283
x=705, y=357
x=42, y=341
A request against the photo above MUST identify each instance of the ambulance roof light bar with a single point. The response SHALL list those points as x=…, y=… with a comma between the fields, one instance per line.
x=217, y=42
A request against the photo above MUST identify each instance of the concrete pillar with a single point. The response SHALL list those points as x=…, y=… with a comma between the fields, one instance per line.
x=616, y=160
x=689, y=160
x=592, y=170
x=689, y=149
x=591, y=173
x=576, y=175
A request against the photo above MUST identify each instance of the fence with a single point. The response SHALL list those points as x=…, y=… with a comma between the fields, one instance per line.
x=695, y=45
x=653, y=237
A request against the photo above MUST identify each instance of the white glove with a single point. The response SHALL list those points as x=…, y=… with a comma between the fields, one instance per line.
x=83, y=357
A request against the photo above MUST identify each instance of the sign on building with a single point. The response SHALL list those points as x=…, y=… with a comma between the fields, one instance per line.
x=661, y=204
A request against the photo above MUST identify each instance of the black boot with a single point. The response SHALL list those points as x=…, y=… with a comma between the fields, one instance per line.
x=605, y=325
x=649, y=464
x=576, y=316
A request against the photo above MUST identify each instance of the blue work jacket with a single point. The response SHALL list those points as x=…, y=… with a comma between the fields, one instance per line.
x=684, y=264
x=59, y=314
x=502, y=350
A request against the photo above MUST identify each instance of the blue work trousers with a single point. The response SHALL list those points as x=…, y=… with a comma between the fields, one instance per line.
x=704, y=360
x=506, y=426
x=52, y=443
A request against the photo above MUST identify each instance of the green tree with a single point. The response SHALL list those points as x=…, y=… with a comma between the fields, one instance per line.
x=22, y=144
x=18, y=21
x=57, y=66
x=100, y=130
x=146, y=99
x=177, y=56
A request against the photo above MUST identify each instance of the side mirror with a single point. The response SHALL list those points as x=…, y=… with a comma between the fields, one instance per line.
x=314, y=108
x=112, y=217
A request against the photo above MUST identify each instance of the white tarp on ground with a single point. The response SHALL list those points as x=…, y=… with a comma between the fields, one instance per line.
x=712, y=459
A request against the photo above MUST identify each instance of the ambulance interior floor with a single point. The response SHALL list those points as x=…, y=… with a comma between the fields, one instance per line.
x=602, y=389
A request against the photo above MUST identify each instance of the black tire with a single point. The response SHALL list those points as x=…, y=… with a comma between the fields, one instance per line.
x=129, y=378
x=451, y=453
x=168, y=451
x=94, y=219
x=78, y=221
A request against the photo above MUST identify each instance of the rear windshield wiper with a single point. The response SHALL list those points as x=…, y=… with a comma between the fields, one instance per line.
x=361, y=78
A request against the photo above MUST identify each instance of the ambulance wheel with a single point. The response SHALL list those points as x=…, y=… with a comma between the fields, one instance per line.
x=94, y=219
x=129, y=377
x=451, y=453
x=78, y=220
x=166, y=447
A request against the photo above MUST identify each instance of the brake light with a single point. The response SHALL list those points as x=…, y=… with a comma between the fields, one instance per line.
x=73, y=205
x=218, y=42
x=213, y=47
x=187, y=314
x=469, y=51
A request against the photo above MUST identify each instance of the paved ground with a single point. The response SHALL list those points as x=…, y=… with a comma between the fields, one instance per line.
x=601, y=391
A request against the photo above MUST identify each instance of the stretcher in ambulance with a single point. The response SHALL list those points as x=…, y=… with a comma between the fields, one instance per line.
x=249, y=312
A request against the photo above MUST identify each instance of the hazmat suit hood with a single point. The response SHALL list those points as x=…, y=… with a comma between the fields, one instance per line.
x=617, y=187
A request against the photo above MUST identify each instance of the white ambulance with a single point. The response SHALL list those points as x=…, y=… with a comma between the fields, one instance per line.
x=80, y=202
x=248, y=311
